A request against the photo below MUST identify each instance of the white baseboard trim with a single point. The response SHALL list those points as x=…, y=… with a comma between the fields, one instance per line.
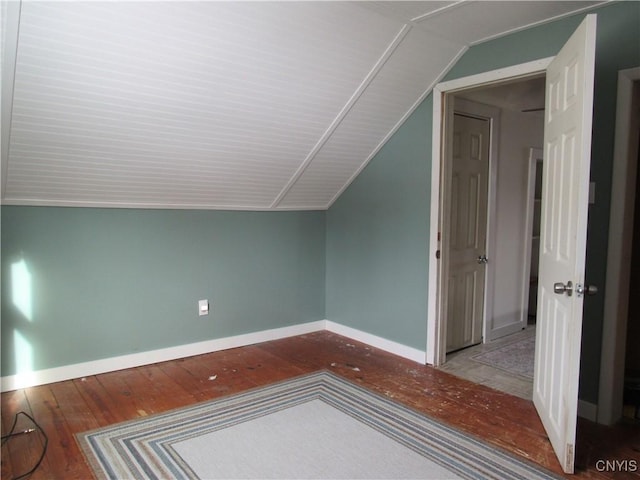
x=399, y=349
x=68, y=372
x=587, y=410
x=95, y=367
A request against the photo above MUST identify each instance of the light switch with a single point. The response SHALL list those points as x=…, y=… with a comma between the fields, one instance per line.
x=203, y=307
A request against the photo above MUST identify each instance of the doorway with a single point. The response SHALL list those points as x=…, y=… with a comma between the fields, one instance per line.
x=631, y=393
x=501, y=262
x=478, y=88
x=615, y=333
x=496, y=247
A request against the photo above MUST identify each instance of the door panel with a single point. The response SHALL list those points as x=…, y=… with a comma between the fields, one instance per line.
x=467, y=236
x=568, y=113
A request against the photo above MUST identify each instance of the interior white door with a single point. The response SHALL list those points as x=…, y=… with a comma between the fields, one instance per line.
x=567, y=150
x=468, y=231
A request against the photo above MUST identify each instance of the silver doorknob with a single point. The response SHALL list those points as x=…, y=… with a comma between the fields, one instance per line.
x=586, y=289
x=482, y=259
x=560, y=288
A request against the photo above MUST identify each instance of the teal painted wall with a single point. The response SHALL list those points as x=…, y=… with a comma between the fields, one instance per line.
x=109, y=282
x=376, y=240
x=377, y=236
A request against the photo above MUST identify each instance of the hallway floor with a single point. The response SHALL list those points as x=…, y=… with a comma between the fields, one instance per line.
x=463, y=365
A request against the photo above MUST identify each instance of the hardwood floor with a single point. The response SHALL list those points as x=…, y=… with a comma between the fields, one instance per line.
x=65, y=408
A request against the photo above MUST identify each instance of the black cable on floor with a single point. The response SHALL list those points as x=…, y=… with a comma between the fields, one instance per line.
x=12, y=433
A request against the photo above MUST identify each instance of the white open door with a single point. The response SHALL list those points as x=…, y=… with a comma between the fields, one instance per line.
x=567, y=152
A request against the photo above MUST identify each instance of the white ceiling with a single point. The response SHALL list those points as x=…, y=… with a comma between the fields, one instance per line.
x=222, y=105
x=523, y=95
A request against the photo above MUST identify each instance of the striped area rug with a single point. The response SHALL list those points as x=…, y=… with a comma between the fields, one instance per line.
x=314, y=426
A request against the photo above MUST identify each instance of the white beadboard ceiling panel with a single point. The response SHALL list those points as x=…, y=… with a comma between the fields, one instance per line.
x=406, y=78
x=475, y=22
x=222, y=105
x=410, y=11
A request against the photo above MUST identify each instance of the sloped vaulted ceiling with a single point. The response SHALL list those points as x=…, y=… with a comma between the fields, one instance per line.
x=226, y=105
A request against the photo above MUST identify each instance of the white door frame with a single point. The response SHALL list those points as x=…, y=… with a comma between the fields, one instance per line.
x=616, y=297
x=436, y=339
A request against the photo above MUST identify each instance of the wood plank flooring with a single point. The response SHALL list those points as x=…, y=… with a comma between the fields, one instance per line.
x=66, y=408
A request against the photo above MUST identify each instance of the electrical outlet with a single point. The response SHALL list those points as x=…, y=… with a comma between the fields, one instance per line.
x=203, y=307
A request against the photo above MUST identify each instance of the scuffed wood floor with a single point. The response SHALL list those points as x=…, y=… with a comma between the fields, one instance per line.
x=508, y=422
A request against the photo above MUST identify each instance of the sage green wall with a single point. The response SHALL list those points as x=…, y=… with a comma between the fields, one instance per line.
x=109, y=282
x=377, y=233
